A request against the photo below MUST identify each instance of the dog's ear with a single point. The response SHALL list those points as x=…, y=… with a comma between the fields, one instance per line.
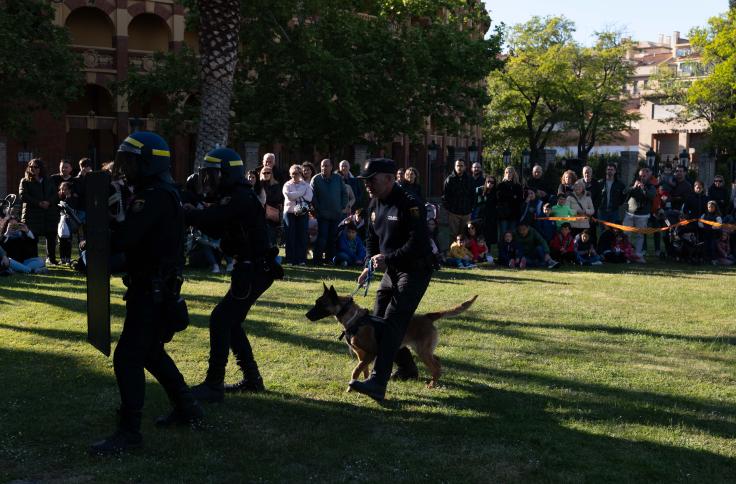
x=325, y=288
x=333, y=293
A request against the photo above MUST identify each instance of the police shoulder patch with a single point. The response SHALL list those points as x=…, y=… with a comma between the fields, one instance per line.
x=137, y=205
x=414, y=212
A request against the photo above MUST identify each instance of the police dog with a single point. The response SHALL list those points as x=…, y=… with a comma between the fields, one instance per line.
x=421, y=335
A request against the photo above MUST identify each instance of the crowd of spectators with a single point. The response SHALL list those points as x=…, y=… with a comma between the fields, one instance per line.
x=512, y=223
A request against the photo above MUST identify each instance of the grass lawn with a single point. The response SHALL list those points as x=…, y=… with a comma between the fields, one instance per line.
x=606, y=374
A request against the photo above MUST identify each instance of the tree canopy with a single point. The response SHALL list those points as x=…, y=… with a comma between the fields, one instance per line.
x=38, y=70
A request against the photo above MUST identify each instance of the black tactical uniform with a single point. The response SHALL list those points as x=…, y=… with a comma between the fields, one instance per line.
x=397, y=228
x=152, y=239
x=239, y=222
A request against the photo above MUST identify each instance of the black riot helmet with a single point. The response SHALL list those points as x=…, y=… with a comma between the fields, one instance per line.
x=143, y=156
x=232, y=170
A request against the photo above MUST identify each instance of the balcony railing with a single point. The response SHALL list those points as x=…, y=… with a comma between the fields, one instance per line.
x=91, y=122
x=97, y=58
x=141, y=60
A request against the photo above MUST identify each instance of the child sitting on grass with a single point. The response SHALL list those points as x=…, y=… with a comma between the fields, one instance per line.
x=723, y=250
x=460, y=255
x=562, y=245
x=509, y=253
x=350, y=249
x=584, y=250
x=476, y=243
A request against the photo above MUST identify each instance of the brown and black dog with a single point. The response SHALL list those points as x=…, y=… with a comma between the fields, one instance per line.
x=421, y=335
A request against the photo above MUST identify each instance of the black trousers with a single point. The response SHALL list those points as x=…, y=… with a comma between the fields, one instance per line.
x=51, y=245
x=140, y=347
x=226, y=329
x=397, y=299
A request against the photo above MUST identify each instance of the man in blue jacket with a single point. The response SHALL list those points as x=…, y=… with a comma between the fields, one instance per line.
x=329, y=201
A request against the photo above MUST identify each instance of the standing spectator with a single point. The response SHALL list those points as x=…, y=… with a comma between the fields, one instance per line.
x=534, y=248
x=410, y=183
x=69, y=222
x=509, y=198
x=297, y=195
x=611, y=196
x=679, y=188
x=85, y=167
x=567, y=180
x=697, y=202
x=485, y=206
x=538, y=184
x=592, y=186
x=580, y=203
x=269, y=160
x=639, y=197
x=308, y=171
x=355, y=184
x=40, y=210
x=458, y=197
x=476, y=171
x=255, y=181
x=330, y=199
x=274, y=203
x=710, y=234
x=719, y=193
x=400, y=174
x=64, y=175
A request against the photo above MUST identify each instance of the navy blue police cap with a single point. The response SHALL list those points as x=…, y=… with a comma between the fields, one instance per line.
x=377, y=165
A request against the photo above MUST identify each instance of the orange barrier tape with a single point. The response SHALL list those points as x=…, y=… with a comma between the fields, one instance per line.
x=640, y=230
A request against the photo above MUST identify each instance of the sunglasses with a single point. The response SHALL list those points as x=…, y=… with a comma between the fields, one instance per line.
x=717, y=181
x=265, y=173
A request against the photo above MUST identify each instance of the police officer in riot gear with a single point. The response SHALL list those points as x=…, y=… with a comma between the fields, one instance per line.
x=152, y=238
x=397, y=243
x=238, y=220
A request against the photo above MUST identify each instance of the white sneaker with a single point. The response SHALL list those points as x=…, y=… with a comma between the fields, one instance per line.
x=553, y=264
x=216, y=268
x=596, y=263
x=229, y=267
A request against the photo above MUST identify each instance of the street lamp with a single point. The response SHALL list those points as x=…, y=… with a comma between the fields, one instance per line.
x=473, y=153
x=506, y=157
x=432, y=151
x=525, y=155
x=685, y=158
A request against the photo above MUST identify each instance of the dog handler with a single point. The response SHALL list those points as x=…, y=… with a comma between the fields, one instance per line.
x=238, y=219
x=398, y=244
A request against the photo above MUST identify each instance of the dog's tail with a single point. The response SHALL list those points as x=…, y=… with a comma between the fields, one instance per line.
x=452, y=312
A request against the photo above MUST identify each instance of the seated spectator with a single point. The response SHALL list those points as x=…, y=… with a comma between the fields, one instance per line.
x=460, y=256
x=709, y=234
x=509, y=252
x=620, y=250
x=724, y=255
x=585, y=250
x=21, y=248
x=546, y=228
x=4, y=263
x=534, y=248
x=685, y=244
x=350, y=249
x=204, y=252
x=476, y=243
x=561, y=209
x=436, y=252
x=562, y=245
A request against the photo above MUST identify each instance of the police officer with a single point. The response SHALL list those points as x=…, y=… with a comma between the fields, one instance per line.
x=152, y=238
x=397, y=243
x=238, y=220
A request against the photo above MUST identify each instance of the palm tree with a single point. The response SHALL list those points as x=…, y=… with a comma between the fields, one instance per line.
x=219, y=34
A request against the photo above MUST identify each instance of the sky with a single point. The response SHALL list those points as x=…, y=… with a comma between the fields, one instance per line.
x=641, y=19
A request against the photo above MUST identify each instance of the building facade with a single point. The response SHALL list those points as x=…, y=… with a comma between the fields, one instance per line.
x=115, y=36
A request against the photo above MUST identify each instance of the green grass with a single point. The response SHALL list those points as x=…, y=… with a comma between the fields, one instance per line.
x=607, y=374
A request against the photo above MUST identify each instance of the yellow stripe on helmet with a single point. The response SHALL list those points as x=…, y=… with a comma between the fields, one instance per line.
x=236, y=163
x=212, y=159
x=161, y=153
x=134, y=142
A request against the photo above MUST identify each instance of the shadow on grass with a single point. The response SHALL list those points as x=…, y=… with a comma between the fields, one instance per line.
x=476, y=431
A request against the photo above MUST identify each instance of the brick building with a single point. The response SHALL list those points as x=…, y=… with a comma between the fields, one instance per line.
x=114, y=35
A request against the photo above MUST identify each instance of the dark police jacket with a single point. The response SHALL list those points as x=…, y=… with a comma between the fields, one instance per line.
x=397, y=228
x=239, y=222
x=152, y=235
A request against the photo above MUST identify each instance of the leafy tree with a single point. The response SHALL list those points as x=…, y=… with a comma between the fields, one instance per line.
x=527, y=93
x=38, y=70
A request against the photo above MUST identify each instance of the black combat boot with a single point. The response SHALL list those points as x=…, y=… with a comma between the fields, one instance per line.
x=186, y=411
x=406, y=369
x=251, y=382
x=370, y=387
x=126, y=438
x=212, y=389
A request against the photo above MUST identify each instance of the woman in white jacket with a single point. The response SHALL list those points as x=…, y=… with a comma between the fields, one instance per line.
x=581, y=203
x=297, y=195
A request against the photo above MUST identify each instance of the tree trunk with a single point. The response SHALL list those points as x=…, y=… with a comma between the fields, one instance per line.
x=219, y=36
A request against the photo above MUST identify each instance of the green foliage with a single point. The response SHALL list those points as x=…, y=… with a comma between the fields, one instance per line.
x=38, y=70
x=551, y=83
x=317, y=72
x=584, y=375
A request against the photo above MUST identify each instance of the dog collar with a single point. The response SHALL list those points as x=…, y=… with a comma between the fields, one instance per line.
x=344, y=309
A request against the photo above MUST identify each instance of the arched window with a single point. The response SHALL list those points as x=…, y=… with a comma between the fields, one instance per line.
x=96, y=99
x=90, y=26
x=148, y=32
